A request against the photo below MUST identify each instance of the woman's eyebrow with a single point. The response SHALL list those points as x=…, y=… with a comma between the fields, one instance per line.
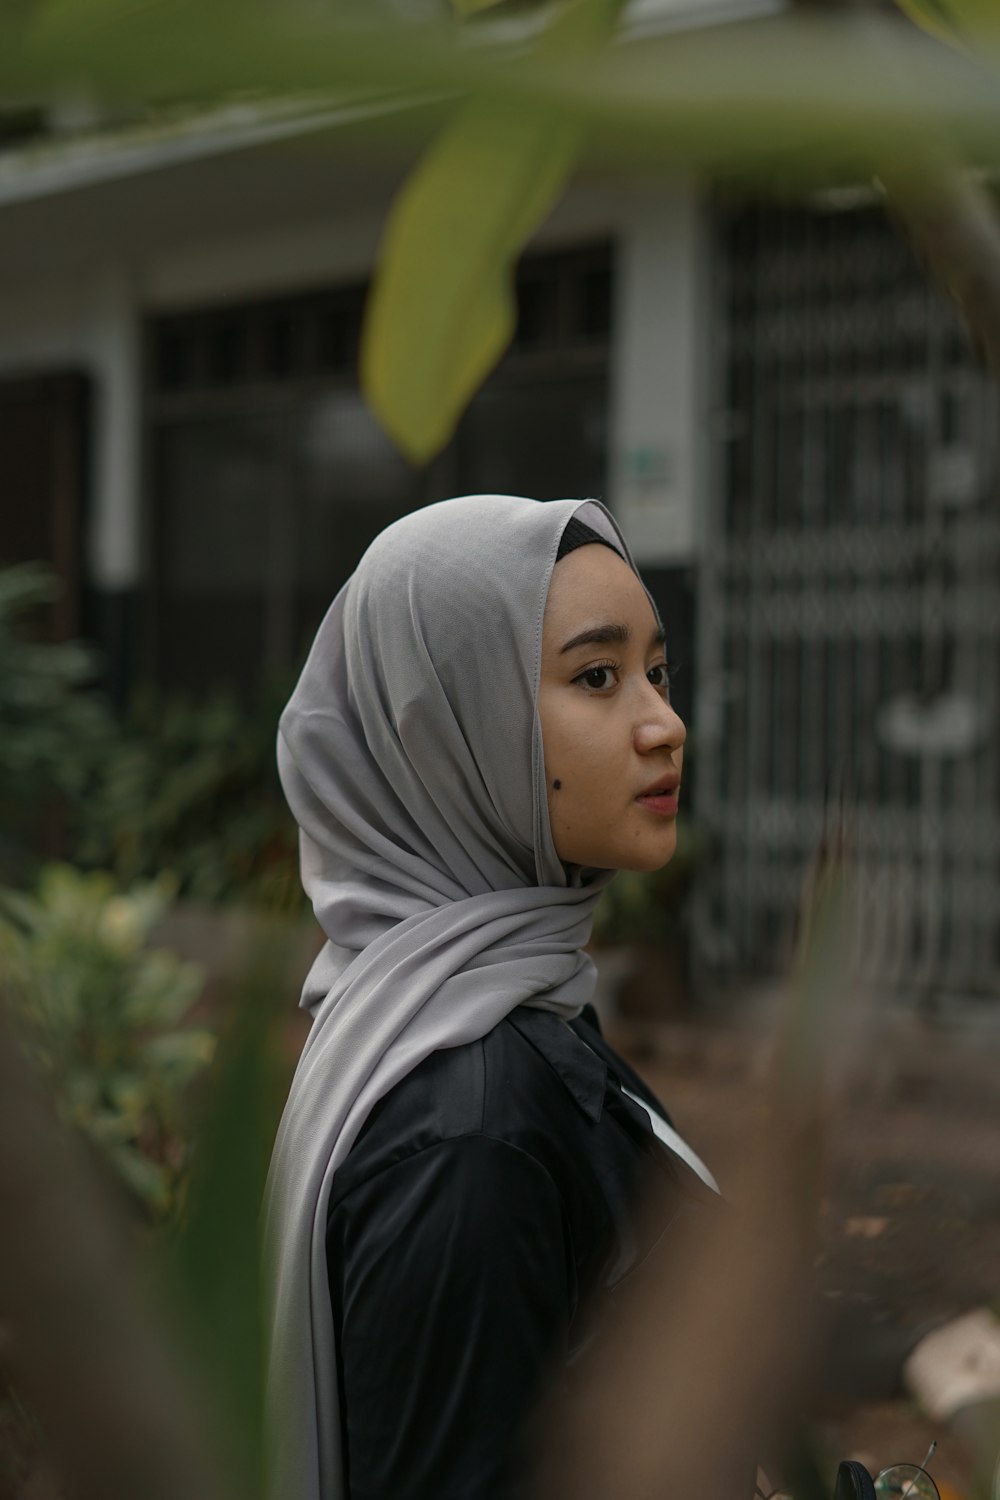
x=610, y=634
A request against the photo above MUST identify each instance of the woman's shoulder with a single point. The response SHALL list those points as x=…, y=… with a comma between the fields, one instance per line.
x=499, y=1085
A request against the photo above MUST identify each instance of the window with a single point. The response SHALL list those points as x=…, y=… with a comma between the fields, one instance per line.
x=269, y=476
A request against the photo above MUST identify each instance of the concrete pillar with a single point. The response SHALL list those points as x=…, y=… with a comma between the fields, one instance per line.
x=658, y=470
x=113, y=539
x=659, y=359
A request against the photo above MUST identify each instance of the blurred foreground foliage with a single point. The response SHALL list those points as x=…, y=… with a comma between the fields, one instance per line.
x=169, y=800
x=812, y=99
x=524, y=96
x=199, y=1322
x=103, y=1018
x=209, y=1261
x=126, y=1376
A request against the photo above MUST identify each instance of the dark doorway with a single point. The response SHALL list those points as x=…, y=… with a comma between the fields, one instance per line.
x=43, y=455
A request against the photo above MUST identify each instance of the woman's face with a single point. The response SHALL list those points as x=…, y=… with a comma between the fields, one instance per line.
x=608, y=730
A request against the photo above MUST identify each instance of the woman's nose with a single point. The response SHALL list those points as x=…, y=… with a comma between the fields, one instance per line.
x=663, y=728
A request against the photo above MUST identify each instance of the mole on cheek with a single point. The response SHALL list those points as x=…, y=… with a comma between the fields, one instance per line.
x=557, y=785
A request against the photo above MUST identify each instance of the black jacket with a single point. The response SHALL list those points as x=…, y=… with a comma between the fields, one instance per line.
x=477, y=1231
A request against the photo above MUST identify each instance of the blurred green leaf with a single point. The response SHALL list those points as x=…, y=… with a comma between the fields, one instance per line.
x=442, y=308
x=53, y=18
x=465, y=8
x=964, y=22
x=211, y=1265
x=735, y=98
x=132, y=50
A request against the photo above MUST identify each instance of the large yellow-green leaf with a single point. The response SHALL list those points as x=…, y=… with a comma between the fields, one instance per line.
x=442, y=308
x=969, y=22
x=472, y=7
x=737, y=98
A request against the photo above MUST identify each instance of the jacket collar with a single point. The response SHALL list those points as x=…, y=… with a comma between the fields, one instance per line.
x=580, y=1069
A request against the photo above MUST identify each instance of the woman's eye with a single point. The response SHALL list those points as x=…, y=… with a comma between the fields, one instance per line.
x=593, y=675
x=596, y=677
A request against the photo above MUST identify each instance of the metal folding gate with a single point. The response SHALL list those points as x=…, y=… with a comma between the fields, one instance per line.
x=849, y=609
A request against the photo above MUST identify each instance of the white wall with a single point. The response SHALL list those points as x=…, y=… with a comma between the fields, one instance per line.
x=116, y=340
x=90, y=324
x=94, y=321
x=659, y=411
x=285, y=258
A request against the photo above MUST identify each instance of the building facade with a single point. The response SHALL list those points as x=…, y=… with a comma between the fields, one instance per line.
x=783, y=416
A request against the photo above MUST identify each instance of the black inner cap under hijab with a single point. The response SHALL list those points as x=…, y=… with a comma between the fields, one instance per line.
x=576, y=534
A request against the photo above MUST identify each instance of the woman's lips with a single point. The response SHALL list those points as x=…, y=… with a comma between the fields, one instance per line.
x=663, y=802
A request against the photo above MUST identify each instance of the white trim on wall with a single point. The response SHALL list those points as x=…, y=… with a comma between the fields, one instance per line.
x=94, y=327
x=659, y=389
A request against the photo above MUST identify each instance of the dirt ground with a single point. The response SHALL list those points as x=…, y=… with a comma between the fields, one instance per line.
x=911, y=1212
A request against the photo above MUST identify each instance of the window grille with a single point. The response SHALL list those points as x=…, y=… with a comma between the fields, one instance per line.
x=268, y=476
x=851, y=616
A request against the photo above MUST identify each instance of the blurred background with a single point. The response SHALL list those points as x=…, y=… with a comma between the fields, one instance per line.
x=778, y=405
x=726, y=338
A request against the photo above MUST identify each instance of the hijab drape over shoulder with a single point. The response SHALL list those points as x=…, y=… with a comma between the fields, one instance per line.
x=410, y=753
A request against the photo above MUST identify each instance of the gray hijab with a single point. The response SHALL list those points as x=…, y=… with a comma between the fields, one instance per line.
x=410, y=753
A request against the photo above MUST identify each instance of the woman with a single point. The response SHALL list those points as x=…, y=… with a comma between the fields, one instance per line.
x=481, y=736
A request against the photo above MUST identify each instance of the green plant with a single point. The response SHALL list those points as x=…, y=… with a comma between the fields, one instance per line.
x=54, y=732
x=133, y=1365
x=171, y=784
x=100, y=1014
x=193, y=788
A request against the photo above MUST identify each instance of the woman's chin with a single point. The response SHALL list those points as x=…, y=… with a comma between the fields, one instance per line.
x=649, y=856
x=650, y=850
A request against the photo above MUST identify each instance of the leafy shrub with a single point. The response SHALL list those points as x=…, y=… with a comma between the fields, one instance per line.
x=170, y=784
x=54, y=732
x=100, y=1013
x=193, y=788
